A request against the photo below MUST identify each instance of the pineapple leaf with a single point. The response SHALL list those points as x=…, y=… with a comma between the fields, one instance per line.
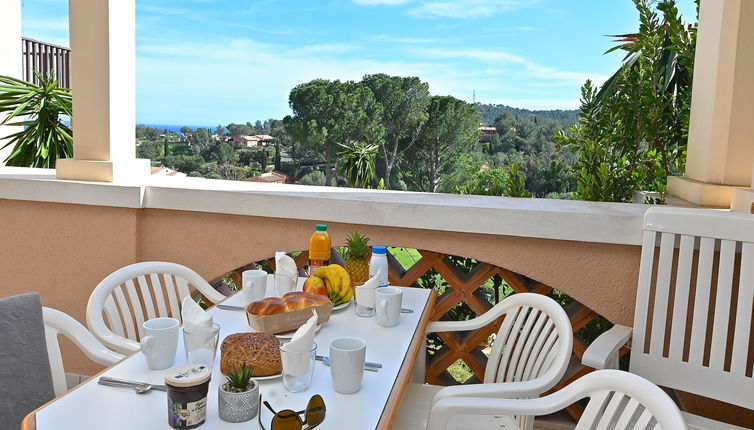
x=358, y=245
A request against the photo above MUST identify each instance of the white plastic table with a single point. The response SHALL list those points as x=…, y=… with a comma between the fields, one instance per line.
x=94, y=406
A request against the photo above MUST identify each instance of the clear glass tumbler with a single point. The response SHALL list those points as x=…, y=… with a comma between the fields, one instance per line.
x=298, y=368
x=201, y=344
x=361, y=297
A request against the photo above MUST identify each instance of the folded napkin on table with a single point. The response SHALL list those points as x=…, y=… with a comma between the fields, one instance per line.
x=193, y=315
x=297, y=364
x=286, y=273
x=365, y=293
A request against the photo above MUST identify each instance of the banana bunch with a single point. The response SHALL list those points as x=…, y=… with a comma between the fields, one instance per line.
x=337, y=281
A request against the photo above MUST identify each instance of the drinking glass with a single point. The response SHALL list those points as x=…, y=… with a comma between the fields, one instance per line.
x=298, y=368
x=364, y=303
x=201, y=344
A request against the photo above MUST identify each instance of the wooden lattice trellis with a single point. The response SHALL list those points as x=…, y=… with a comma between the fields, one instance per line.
x=465, y=287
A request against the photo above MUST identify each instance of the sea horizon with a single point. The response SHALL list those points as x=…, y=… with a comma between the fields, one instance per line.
x=177, y=128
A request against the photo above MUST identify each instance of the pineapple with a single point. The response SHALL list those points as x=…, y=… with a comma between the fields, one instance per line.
x=357, y=257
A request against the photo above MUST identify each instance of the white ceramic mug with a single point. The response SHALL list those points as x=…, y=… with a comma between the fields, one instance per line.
x=160, y=342
x=388, y=305
x=347, y=357
x=254, y=285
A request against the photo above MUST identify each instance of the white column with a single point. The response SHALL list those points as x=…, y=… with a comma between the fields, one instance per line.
x=721, y=131
x=10, y=56
x=103, y=81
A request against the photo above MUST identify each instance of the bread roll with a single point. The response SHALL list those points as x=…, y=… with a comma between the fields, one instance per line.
x=292, y=301
x=260, y=351
x=268, y=306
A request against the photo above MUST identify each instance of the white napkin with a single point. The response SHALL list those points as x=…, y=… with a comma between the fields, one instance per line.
x=286, y=273
x=193, y=315
x=365, y=293
x=297, y=363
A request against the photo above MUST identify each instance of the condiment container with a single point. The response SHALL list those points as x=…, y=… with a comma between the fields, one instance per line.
x=377, y=262
x=187, y=395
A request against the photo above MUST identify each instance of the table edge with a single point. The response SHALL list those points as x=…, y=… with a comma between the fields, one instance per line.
x=390, y=410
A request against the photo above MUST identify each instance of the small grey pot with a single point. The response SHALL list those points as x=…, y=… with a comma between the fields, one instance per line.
x=238, y=407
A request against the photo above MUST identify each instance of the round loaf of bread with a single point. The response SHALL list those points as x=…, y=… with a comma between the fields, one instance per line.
x=260, y=351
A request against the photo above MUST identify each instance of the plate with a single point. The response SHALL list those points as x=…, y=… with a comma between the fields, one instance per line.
x=264, y=378
x=341, y=306
x=289, y=334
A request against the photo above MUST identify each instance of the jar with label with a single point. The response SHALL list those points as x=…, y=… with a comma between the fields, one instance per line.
x=378, y=262
x=187, y=395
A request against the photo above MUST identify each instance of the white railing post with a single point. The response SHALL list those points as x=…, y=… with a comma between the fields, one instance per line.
x=720, y=148
x=10, y=56
x=103, y=76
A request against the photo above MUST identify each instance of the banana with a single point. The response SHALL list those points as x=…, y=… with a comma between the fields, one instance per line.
x=332, y=282
x=345, y=280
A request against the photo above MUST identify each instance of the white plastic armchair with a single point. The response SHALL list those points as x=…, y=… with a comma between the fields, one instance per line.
x=693, y=317
x=57, y=323
x=617, y=400
x=122, y=301
x=529, y=356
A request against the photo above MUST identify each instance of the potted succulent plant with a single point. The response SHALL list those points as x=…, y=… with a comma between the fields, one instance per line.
x=238, y=397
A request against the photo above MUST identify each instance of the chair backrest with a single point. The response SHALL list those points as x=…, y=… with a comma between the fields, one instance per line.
x=122, y=301
x=620, y=400
x=693, y=320
x=534, y=339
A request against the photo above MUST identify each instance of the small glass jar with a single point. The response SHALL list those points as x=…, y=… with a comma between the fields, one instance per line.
x=187, y=387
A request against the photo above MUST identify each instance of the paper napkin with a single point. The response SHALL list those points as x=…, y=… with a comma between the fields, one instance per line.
x=299, y=359
x=365, y=293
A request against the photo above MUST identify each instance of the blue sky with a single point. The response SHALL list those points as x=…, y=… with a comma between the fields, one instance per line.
x=208, y=62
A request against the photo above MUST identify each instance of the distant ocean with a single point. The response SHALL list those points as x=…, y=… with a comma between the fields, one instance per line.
x=177, y=128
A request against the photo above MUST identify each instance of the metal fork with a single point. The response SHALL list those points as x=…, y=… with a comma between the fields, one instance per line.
x=138, y=387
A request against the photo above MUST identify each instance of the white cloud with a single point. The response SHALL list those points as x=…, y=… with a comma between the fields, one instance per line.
x=468, y=8
x=537, y=70
x=323, y=49
x=380, y=2
x=50, y=30
x=243, y=80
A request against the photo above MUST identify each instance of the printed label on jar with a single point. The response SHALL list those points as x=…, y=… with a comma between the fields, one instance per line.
x=188, y=414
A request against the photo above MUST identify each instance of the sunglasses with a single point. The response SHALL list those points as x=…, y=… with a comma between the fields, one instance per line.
x=289, y=419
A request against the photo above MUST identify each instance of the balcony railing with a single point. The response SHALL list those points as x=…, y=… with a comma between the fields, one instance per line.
x=45, y=58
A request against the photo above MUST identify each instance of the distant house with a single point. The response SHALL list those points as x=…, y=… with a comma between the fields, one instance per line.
x=271, y=178
x=253, y=141
x=164, y=171
x=487, y=133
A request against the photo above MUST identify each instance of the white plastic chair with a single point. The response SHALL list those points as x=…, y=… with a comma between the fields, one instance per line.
x=121, y=303
x=687, y=255
x=529, y=356
x=57, y=323
x=617, y=400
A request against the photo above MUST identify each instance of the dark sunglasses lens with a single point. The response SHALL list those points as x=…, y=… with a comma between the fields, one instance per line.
x=287, y=420
x=315, y=410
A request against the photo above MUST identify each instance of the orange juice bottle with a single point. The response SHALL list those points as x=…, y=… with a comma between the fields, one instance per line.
x=319, y=248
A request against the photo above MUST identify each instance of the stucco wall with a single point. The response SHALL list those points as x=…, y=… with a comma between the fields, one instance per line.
x=63, y=250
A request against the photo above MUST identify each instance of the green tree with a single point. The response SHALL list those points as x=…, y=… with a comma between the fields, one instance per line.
x=328, y=114
x=404, y=101
x=451, y=127
x=45, y=138
x=632, y=134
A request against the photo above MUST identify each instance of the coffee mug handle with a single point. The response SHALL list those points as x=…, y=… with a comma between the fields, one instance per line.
x=147, y=347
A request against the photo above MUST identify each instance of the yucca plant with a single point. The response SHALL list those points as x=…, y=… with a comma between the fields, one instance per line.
x=238, y=379
x=38, y=109
x=357, y=164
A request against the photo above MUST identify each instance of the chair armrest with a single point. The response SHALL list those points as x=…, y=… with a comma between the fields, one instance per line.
x=76, y=332
x=500, y=390
x=468, y=325
x=603, y=352
x=443, y=410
